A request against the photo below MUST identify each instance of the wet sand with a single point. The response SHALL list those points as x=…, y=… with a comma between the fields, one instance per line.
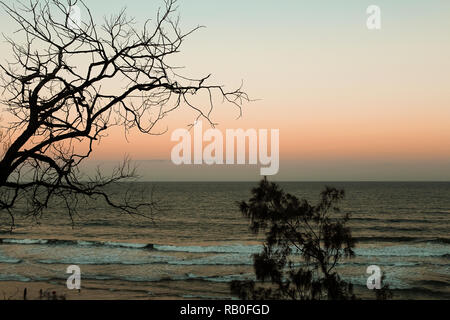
x=101, y=290
x=163, y=290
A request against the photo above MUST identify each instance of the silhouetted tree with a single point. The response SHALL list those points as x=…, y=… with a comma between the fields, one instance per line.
x=59, y=92
x=303, y=245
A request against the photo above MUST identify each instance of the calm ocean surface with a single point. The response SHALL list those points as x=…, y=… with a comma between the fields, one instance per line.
x=200, y=241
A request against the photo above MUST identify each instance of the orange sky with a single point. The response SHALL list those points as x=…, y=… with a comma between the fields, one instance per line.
x=334, y=89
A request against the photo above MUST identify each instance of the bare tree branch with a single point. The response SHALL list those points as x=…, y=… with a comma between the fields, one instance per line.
x=59, y=90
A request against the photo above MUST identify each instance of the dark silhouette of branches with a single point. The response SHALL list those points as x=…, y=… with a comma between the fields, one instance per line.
x=303, y=245
x=59, y=91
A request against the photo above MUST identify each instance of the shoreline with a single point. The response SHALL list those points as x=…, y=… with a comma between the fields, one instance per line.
x=163, y=290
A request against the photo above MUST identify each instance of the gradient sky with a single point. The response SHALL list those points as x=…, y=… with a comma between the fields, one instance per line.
x=351, y=104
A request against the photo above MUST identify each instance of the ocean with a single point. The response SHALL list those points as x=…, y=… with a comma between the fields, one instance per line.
x=197, y=242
